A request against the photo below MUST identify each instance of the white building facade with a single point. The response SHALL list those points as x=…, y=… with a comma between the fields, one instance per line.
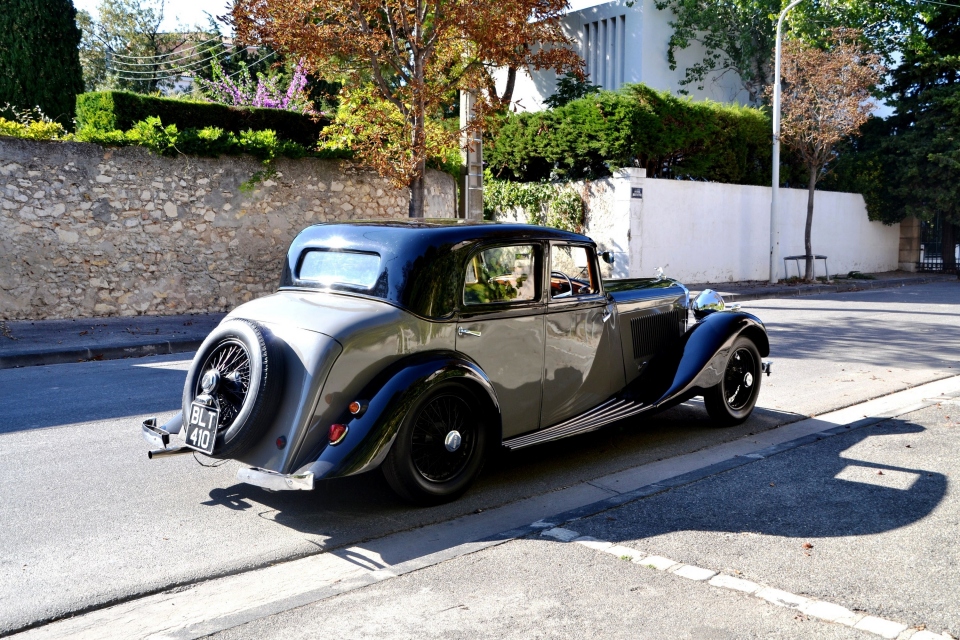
x=626, y=42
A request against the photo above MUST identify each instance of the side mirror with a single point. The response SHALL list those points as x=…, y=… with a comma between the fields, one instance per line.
x=706, y=303
x=607, y=256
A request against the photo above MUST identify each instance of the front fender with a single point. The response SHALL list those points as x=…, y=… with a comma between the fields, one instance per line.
x=698, y=360
x=388, y=399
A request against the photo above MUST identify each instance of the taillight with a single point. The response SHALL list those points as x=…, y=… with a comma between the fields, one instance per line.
x=337, y=433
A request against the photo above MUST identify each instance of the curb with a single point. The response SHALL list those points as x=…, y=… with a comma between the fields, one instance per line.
x=812, y=290
x=81, y=354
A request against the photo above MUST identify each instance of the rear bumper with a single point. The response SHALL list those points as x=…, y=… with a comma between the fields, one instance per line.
x=276, y=481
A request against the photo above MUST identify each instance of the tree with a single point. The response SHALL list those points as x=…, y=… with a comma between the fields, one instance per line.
x=125, y=49
x=909, y=164
x=825, y=99
x=739, y=35
x=400, y=60
x=39, y=63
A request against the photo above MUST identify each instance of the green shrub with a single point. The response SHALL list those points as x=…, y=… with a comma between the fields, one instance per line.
x=671, y=137
x=552, y=204
x=120, y=110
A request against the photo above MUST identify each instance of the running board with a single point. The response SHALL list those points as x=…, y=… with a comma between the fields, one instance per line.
x=601, y=415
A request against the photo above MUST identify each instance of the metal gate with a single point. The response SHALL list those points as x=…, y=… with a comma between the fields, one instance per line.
x=931, y=246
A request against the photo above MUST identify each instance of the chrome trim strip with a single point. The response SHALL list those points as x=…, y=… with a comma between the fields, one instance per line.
x=276, y=481
x=603, y=414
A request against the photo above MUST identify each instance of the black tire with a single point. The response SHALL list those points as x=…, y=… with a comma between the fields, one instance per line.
x=249, y=392
x=420, y=467
x=732, y=401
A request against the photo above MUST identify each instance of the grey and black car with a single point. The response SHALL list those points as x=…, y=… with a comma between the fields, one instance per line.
x=422, y=347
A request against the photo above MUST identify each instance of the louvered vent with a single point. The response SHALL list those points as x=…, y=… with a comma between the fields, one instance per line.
x=652, y=333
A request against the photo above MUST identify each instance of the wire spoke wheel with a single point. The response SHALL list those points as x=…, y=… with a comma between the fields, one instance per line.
x=231, y=361
x=444, y=436
x=739, y=378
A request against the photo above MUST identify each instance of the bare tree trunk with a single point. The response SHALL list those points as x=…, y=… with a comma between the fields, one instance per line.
x=808, y=246
x=416, y=197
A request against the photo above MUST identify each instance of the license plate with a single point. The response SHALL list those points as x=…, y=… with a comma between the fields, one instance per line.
x=202, y=427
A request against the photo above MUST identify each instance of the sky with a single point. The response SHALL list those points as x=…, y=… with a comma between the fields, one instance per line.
x=177, y=12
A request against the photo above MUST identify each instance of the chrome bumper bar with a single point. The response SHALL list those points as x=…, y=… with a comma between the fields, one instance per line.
x=767, y=367
x=276, y=481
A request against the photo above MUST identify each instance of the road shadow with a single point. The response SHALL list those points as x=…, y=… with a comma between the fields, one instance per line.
x=812, y=491
x=61, y=394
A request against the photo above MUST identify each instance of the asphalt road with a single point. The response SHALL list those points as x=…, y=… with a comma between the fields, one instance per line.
x=89, y=520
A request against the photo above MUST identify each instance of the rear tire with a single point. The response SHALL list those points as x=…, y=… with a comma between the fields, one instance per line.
x=732, y=401
x=440, y=447
x=250, y=368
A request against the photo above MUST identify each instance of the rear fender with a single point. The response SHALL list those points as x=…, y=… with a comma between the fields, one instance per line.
x=698, y=360
x=386, y=402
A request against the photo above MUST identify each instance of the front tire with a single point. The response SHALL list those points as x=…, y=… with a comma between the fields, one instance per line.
x=732, y=401
x=439, y=449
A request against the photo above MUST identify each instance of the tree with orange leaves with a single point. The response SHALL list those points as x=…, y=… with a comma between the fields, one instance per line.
x=825, y=99
x=401, y=60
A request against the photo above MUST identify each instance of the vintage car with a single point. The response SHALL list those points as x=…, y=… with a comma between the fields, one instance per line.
x=419, y=347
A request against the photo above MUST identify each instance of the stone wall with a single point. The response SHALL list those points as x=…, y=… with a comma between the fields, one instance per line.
x=88, y=231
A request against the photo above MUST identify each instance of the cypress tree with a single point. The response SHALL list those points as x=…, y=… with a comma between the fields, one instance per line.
x=39, y=57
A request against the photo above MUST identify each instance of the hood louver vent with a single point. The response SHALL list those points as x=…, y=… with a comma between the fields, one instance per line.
x=653, y=332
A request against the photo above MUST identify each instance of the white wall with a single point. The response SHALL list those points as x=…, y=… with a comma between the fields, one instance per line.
x=710, y=232
x=633, y=50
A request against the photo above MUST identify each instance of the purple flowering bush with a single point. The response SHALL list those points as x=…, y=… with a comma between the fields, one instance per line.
x=241, y=90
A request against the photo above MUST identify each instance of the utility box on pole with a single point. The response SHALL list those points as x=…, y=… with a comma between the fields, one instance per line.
x=471, y=152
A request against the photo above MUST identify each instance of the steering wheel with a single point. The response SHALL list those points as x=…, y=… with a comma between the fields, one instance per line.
x=569, y=292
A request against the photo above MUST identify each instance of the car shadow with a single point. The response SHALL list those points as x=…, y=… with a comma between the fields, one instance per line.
x=814, y=491
x=343, y=511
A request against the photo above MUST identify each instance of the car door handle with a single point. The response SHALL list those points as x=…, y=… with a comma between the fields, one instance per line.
x=467, y=332
x=607, y=314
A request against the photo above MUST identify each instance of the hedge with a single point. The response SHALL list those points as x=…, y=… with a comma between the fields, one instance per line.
x=121, y=110
x=636, y=126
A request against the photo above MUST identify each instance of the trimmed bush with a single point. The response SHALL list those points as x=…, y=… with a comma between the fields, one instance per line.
x=121, y=110
x=637, y=126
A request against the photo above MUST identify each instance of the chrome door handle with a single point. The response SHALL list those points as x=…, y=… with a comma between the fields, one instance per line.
x=467, y=332
x=607, y=314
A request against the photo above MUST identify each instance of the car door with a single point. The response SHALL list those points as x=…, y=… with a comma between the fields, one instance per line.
x=581, y=359
x=501, y=327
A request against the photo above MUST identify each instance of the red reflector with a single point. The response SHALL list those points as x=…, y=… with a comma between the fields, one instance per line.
x=281, y=442
x=354, y=407
x=337, y=432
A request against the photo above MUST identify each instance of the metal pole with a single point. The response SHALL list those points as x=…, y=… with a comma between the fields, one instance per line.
x=775, y=193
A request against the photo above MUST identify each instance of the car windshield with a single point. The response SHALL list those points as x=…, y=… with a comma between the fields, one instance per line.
x=340, y=267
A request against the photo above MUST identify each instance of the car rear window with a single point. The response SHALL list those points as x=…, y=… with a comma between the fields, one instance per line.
x=328, y=267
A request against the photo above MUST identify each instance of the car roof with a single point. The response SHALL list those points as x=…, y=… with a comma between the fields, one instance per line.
x=421, y=260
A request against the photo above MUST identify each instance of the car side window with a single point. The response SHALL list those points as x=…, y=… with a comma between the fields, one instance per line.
x=501, y=274
x=571, y=272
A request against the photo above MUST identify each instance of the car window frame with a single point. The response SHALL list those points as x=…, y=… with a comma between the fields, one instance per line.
x=504, y=305
x=592, y=264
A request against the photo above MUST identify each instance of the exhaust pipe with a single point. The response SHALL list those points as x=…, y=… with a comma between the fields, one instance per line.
x=165, y=453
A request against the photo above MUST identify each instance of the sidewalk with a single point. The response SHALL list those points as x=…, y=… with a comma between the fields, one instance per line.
x=758, y=290
x=26, y=343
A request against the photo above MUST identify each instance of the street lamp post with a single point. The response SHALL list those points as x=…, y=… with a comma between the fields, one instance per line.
x=775, y=193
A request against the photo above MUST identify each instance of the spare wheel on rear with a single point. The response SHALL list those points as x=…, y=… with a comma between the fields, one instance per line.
x=248, y=363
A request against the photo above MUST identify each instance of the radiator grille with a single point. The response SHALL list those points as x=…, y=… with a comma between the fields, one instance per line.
x=652, y=333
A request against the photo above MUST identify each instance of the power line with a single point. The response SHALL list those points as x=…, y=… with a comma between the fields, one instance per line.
x=186, y=66
x=180, y=73
x=159, y=62
x=942, y=4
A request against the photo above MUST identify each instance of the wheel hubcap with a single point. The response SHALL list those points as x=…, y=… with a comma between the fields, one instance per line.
x=452, y=441
x=748, y=380
x=210, y=381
